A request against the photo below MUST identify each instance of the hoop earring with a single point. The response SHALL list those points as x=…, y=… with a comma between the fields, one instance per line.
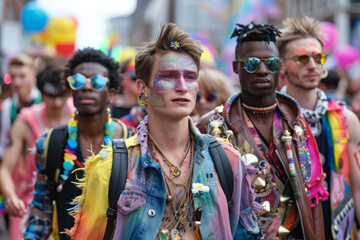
x=142, y=100
x=324, y=73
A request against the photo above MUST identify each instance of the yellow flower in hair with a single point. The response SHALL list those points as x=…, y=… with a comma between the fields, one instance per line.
x=175, y=44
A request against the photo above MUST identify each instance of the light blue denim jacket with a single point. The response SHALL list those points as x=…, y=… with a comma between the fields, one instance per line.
x=141, y=205
x=147, y=192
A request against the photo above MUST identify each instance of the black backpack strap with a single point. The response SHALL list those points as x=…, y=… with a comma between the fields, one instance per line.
x=54, y=149
x=117, y=183
x=222, y=166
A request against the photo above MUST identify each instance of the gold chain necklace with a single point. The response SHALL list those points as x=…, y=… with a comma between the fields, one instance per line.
x=181, y=213
x=192, y=144
x=181, y=206
x=175, y=170
x=187, y=148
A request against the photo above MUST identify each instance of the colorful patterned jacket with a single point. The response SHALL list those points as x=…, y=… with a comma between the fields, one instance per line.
x=145, y=190
x=312, y=191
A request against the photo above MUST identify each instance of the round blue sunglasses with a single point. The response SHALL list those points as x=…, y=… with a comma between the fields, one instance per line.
x=251, y=64
x=78, y=81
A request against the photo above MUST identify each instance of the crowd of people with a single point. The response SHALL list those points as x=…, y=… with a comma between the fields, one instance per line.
x=161, y=147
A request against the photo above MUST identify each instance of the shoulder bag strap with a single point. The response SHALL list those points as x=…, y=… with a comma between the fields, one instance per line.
x=222, y=166
x=117, y=183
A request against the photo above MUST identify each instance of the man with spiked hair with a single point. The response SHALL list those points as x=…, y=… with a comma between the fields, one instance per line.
x=172, y=189
x=335, y=128
x=272, y=137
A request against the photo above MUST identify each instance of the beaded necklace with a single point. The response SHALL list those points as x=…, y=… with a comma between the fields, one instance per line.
x=303, y=150
x=70, y=157
x=233, y=97
x=227, y=109
x=263, y=110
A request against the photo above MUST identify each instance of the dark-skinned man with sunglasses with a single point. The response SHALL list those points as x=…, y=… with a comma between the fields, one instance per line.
x=272, y=137
x=93, y=78
x=335, y=128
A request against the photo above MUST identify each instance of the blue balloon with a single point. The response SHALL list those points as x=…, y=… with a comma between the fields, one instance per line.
x=33, y=18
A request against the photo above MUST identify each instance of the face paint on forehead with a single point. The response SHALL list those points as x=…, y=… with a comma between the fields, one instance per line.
x=314, y=48
x=310, y=49
x=175, y=70
x=301, y=51
x=177, y=61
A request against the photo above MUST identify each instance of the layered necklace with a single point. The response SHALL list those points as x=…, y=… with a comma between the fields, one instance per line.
x=175, y=170
x=260, y=110
x=182, y=213
x=70, y=157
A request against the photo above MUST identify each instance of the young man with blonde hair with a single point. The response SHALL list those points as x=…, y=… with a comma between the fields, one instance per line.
x=172, y=189
x=23, y=77
x=335, y=128
x=18, y=167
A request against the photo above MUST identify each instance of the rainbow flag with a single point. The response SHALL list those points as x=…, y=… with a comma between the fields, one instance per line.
x=336, y=131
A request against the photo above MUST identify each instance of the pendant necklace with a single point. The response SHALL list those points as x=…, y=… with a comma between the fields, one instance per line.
x=175, y=170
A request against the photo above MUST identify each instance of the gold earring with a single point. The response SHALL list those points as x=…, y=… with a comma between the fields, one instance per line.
x=324, y=73
x=142, y=100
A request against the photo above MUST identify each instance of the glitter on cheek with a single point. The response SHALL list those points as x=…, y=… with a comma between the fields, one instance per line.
x=157, y=99
x=193, y=86
x=163, y=85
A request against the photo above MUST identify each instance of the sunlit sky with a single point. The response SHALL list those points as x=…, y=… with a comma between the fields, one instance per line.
x=92, y=16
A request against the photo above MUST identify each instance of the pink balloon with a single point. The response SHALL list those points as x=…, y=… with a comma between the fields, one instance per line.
x=345, y=55
x=330, y=35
